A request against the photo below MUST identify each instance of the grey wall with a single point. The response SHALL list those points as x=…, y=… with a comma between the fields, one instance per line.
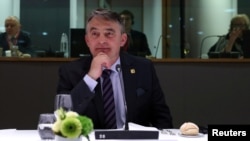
x=206, y=92
x=201, y=92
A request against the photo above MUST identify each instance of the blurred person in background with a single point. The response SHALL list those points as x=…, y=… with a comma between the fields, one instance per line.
x=137, y=43
x=236, y=38
x=13, y=35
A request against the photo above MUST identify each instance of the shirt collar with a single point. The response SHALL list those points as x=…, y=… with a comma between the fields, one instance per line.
x=113, y=67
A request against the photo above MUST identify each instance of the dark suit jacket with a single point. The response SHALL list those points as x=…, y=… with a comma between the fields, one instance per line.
x=145, y=99
x=23, y=42
x=139, y=45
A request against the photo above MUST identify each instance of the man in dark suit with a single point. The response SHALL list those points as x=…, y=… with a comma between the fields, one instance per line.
x=137, y=93
x=137, y=43
x=13, y=35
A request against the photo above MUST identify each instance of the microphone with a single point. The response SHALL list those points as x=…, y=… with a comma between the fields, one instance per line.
x=125, y=134
x=210, y=36
x=157, y=47
x=119, y=70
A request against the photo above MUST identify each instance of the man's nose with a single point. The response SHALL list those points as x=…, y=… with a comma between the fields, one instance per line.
x=102, y=38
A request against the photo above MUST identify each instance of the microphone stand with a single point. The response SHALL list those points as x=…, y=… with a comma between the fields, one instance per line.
x=119, y=70
x=157, y=47
x=126, y=133
x=202, y=41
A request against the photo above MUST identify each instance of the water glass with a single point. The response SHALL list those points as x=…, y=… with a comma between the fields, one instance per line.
x=63, y=101
x=46, y=120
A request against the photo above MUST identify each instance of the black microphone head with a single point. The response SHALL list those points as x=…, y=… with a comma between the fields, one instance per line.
x=118, y=68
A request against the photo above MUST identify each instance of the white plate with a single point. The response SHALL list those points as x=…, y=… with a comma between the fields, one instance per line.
x=191, y=136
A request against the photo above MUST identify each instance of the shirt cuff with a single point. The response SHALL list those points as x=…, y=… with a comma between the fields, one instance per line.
x=90, y=82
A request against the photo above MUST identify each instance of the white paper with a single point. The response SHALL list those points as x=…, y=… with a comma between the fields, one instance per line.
x=134, y=126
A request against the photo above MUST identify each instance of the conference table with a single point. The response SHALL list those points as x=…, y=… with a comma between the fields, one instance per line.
x=32, y=135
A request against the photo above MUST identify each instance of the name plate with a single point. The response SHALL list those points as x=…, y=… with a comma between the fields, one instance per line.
x=126, y=134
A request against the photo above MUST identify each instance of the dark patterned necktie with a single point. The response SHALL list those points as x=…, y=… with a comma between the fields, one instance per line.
x=108, y=101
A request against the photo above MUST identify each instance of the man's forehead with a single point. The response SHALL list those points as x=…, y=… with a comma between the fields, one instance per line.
x=102, y=23
x=98, y=28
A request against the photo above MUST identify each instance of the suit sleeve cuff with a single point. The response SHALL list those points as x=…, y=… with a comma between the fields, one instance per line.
x=90, y=82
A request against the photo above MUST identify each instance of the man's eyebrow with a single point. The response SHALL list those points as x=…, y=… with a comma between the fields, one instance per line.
x=92, y=28
x=110, y=29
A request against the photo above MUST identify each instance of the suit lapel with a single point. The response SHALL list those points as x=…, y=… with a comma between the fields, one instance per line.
x=129, y=78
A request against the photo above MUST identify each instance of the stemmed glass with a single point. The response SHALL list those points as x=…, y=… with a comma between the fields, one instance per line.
x=63, y=101
x=46, y=120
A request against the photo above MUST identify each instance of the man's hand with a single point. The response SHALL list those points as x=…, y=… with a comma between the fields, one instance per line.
x=100, y=61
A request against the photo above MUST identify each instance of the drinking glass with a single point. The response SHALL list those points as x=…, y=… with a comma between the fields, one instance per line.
x=63, y=101
x=46, y=120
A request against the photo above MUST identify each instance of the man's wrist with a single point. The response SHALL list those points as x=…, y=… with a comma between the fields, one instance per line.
x=90, y=82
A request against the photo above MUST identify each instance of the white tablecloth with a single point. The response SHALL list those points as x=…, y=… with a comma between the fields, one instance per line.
x=32, y=135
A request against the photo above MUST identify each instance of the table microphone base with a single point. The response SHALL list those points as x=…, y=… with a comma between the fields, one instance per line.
x=126, y=134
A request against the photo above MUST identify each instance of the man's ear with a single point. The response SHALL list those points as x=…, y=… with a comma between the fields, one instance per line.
x=86, y=40
x=123, y=39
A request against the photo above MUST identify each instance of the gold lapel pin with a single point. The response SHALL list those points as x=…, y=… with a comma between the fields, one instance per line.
x=132, y=71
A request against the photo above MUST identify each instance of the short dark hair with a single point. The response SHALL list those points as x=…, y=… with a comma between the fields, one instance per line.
x=107, y=15
x=127, y=12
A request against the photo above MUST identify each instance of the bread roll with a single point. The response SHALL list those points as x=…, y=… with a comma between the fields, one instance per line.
x=189, y=128
x=26, y=55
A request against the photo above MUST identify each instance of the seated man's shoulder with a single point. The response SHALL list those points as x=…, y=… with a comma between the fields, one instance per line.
x=25, y=33
x=3, y=37
x=2, y=34
x=138, y=33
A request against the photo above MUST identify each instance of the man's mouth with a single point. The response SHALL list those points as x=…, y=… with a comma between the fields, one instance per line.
x=103, y=49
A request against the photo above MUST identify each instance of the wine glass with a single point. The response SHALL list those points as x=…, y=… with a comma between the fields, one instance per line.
x=46, y=120
x=63, y=101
